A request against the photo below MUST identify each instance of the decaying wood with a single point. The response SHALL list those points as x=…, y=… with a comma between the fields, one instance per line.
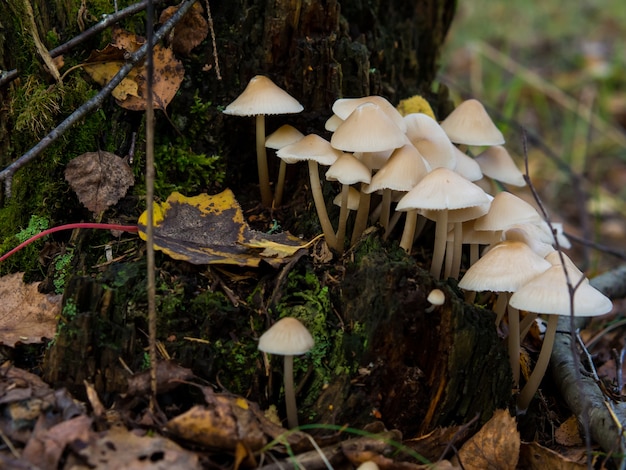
x=580, y=391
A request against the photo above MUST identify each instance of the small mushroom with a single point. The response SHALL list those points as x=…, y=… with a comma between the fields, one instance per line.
x=549, y=294
x=261, y=97
x=287, y=337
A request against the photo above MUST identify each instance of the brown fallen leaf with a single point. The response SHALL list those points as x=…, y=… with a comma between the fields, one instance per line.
x=99, y=179
x=496, y=445
x=26, y=315
x=45, y=447
x=534, y=456
x=568, y=433
x=210, y=229
x=119, y=448
x=190, y=31
x=103, y=65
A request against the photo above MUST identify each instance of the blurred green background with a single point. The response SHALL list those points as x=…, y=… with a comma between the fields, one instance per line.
x=555, y=72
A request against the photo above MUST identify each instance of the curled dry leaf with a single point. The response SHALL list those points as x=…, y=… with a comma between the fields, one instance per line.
x=26, y=315
x=496, y=445
x=130, y=94
x=190, y=31
x=99, y=179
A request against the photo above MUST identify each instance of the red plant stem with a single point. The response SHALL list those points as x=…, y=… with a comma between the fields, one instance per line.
x=123, y=228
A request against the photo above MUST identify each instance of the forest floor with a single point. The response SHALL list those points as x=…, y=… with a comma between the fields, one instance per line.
x=558, y=78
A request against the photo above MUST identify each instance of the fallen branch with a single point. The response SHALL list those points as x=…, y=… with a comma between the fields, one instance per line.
x=585, y=398
x=137, y=56
x=9, y=76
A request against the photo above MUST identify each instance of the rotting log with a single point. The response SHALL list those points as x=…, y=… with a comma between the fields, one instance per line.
x=418, y=369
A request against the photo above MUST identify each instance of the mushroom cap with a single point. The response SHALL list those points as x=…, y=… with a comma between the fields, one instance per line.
x=436, y=297
x=282, y=136
x=443, y=189
x=263, y=96
x=343, y=107
x=368, y=129
x=374, y=160
x=404, y=169
x=459, y=215
x=310, y=147
x=493, y=271
x=347, y=169
x=470, y=124
x=497, y=164
x=506, y=210
x=548, y=293
x=332, y=123
x=466, y=166
x=354, y=199
x=431, y=140
x=287, y=337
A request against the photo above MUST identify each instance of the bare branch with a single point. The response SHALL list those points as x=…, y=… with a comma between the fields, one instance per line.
x=98, y=99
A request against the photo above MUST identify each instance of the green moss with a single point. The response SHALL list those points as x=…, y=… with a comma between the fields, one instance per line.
x=305, y=298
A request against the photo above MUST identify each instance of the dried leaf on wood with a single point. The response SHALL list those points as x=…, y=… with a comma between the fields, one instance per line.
x=45, y=447
x=119, y=448
x=223, y=424
x=534, y=456
x=99, y=179
x=131, y=93
x=208, y=229
x=496, y=445
x=568, y=433
x=190, y=31
x=26, y=315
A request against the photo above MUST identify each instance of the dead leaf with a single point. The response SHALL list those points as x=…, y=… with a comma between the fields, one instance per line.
x=119, y=448
x=99, y=179
x=168, y=75
x=568, y=433
x=496, y=445
x=222, y=424
x=208, y=229
x=131, y=93
x=45, y=447
x=534, y=456
x=190, y=31
x=26, y=315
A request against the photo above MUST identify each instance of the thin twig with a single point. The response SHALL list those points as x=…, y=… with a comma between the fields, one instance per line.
x=98, y=99
x=571, y=290
x=11, y=75
x=151, y=271
x=213, y=41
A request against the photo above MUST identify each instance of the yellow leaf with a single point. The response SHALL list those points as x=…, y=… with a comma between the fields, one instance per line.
x=207, y=229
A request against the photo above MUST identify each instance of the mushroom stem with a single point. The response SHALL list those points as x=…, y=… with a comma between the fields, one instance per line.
x=320, y=204
x=525, y=324
x=457, y=252
x=280, y=184
x=408, y=233
x=290, y=394
x=261, y=161
x=514, y=342
x=528, y=392
x=343, y=217
x=439, y=250
x=500, y=307
x=362, y=213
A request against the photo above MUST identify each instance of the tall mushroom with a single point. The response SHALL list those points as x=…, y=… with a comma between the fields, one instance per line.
x=493, y=273
x=442, y=190
x=549, y=294
x=347, y=170
x=315, y=150
x=278, y=139
x=261, y=97
x=287, y=337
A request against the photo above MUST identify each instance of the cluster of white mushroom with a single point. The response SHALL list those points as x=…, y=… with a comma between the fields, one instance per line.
x=422, y=168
